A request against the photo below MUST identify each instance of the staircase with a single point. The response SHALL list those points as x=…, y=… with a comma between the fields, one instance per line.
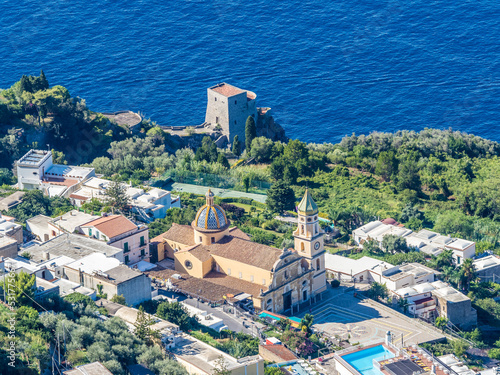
x=143, y=216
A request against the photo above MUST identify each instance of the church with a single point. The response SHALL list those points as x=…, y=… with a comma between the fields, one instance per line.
x=277, y=280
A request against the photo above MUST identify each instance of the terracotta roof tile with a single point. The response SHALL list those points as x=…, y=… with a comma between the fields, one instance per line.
x=235, y=283
x=112, y=226
x=227, y=89
x=201, y=253
x=281, y=351
x=237, y=232
x=180, y=233
x=247, y=252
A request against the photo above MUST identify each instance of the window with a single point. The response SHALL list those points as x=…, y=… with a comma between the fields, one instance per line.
x=90, y=232
x=269, y=301
x=304, y=295
x=286, y=274
x=216, y=119
x=302, y=229
x=263, y=281
x=235, y=102
x=125, y=247
x=126, y=259
x=54, y=233
x=234, y=122
x=143, y=252
x=251, y=278
x=315, y=218
x=201, y=239
x=215, y=99
x=318, y=264
x=240, y=275
x=361, y=278
x=229, y=271
x=188, y=264
x=142, y=241
x=308, y=219
x=302, y=246
x=212, y=239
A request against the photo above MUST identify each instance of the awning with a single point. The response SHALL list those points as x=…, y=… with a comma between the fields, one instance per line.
x=242, y=296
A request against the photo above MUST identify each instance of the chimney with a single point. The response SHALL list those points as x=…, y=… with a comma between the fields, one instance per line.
x=46, y=255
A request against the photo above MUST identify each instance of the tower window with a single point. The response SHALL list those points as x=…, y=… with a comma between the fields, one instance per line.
x=263, y=281
x=308, y=219
x=201, y=239
x=251, y=278
x=318, y=264
x=286, y=274
x=213, y=239
x=229, y=271
x=240, y=275
x=215, y=99
x=302, y=229
x=302, y=246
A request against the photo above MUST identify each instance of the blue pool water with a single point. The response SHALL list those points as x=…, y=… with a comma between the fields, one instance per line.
x=327, y=68
x=363, y=360
x=264, y=314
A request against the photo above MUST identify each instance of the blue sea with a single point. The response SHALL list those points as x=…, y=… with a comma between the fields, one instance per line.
x=327, y=68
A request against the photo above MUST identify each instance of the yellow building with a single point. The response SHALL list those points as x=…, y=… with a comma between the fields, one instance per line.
x=277, y=280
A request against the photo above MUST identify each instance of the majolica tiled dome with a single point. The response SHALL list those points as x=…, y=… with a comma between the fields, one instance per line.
x=211, y=216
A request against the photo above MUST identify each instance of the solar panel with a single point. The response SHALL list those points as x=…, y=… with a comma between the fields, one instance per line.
x=404, y=367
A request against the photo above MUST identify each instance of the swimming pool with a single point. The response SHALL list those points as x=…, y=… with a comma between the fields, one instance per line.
x=363, y=359
x=292, y=318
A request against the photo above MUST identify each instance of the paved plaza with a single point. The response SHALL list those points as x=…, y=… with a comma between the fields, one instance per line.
x=342, y=315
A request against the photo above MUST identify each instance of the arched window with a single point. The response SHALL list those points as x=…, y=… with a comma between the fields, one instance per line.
x=302, y=229
x=316, y=226
x=318, y=264
x=302, y=246
x=286, y=274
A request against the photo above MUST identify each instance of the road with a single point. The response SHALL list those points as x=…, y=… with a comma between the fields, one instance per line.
x=233, y=323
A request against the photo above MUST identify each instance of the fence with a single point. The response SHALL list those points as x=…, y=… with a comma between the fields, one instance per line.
x=215, y=181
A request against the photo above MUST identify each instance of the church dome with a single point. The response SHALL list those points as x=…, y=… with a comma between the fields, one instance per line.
x=211, y=216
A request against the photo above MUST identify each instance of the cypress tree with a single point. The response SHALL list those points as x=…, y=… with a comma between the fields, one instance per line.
x=25, y=84
x=250, y=133
x=236, y=146
x=44, y=82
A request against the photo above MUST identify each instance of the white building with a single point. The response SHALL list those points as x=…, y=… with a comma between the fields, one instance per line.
x=426, y=241
x=120, y=232
x=488, y=268
x=149, y=204
x=35, y=170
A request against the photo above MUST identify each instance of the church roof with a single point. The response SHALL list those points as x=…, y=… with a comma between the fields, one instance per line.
x=307, y=206
x=182, y=234
x=247, y=252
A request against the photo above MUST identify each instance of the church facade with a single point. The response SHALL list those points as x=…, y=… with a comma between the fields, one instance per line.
x=278, y=280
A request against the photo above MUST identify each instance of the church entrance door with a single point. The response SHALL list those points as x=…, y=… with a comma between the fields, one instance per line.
x=287, y=300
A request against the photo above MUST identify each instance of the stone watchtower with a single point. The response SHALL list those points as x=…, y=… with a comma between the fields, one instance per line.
x=229, y=107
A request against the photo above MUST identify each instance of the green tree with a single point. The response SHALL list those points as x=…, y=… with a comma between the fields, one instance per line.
x=44, y=82
x=24, y=288
x=408, y=177
x=207, y=151
x=142, y=325
x=378, y=291
x=307, y=322
x=116, y=196
x=119, y=298
x=222, y=160
x=394, y=244
x=280, y=197
x=25, y=84
x=250, y=133
x=246, y=180
x=177, y=314
x=262, y=148
x=494, y=353
x=467, y=273
x=387, y=165
x=441, y=322
x=272, y=371
x=236, y=148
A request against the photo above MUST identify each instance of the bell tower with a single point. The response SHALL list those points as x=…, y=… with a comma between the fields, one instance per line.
x=309, y=240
